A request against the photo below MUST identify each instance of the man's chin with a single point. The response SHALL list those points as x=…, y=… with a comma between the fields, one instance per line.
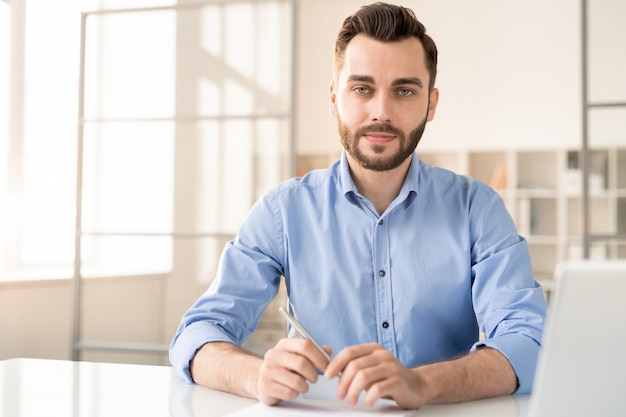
x=380, y=163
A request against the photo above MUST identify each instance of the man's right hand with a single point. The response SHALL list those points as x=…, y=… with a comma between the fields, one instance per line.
x=287, y=370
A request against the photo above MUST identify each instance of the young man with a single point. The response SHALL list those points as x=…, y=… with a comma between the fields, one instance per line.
x=394, y=265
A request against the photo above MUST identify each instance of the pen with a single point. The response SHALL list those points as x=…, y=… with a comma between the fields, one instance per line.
x=302, y=331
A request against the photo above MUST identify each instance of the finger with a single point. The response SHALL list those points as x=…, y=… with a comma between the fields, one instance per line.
x=317, y=358
x=339, y=363
x=362, y=372
x=363, y=375
x=375, y=392
x=299, y=355
x=280, y=385
x=288, y=381
x=295, y=363
x=283, y=376
x=328, y=350
x=394, y=388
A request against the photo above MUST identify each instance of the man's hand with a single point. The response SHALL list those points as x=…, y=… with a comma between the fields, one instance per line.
x=371, y=368
x=287, y=370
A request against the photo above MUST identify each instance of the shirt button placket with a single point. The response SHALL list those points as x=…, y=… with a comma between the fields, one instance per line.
x=383, y=286
x=385, y=324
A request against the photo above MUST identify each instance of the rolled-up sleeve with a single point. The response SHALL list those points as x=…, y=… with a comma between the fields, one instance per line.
x=509, y=304
x=247, y=280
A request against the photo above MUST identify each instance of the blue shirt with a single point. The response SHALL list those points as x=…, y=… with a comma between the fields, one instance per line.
x=441, y=264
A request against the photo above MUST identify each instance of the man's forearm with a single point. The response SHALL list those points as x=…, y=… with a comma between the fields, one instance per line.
x=484, y=373
x=226, y=367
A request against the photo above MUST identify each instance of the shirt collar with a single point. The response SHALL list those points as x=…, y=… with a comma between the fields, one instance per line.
x=407, y=192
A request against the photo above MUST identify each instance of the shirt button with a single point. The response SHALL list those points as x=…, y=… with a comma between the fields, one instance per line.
x=381, y=273
x=385, y=324
x=380, y=222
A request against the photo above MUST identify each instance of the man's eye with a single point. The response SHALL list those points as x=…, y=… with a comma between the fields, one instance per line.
x=361, y=90
x=405, y=92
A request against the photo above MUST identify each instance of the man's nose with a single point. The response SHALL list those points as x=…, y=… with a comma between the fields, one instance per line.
x=381, y=110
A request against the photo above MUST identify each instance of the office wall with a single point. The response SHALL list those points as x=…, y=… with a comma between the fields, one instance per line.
x=509, y=72
x=35, y=319
x=509, y=76
x=36, y=316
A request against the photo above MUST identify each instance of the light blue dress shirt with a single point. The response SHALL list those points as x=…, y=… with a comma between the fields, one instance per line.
x=442, y=263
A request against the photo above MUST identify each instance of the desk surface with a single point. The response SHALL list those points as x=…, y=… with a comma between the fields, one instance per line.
x=38, y=387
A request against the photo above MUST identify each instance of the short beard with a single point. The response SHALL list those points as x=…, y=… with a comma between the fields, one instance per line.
x=350, y=142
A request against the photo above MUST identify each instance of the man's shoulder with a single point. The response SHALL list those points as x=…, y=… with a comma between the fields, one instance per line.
x=439, y=176
x=442, y=177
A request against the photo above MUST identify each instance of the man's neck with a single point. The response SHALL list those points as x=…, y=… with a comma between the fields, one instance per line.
x=379, y=187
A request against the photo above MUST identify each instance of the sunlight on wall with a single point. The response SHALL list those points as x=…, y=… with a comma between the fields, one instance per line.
x=128, y=162
x=186, y=123
x=38, y=189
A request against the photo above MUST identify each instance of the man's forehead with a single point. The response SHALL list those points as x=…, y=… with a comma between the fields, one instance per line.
x=367, y=57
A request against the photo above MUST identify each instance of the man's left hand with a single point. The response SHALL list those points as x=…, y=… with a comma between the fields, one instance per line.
x=371, y=368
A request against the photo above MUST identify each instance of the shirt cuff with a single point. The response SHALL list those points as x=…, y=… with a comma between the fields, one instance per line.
x=186, y=343
x=522, y=353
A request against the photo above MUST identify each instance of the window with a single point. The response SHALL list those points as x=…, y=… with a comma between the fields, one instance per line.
x=185, y=123
x=37, y=191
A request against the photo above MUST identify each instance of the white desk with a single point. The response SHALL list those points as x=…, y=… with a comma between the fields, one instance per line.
x=37, y=387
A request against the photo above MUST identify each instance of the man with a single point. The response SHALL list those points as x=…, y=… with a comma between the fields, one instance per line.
x=394, y=265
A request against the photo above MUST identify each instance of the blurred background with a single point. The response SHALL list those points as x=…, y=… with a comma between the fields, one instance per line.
x=135, y=135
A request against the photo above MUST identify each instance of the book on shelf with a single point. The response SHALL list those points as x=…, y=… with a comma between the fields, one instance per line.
x=498, y=178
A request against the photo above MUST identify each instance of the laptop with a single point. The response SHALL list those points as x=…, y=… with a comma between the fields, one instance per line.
x=582, y=366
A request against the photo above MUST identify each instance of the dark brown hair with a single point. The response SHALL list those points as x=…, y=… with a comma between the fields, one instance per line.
x=386, y=23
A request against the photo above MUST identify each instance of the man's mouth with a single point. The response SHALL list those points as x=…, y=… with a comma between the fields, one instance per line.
x=376, y=137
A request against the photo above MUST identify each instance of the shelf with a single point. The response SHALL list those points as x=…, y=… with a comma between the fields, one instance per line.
x=447, y=160
x=621, y=169
x=537, y=170
x=621, y=217
x=490, y=168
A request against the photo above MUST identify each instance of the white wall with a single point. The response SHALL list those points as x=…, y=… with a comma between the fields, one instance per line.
x=509, y=72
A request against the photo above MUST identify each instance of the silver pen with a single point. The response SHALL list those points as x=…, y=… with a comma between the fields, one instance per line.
x=302, y=331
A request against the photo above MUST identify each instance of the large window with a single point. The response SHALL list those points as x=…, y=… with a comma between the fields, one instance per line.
x=185, y=123
x=39, y=137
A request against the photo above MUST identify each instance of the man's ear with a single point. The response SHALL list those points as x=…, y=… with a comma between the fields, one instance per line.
x=432, y=103
x=332, y=100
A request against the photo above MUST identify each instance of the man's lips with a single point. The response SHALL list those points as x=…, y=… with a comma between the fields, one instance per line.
x=379, y=137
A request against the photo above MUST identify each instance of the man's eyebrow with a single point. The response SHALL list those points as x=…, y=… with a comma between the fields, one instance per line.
x=410, y=80
x=361, y=78
x=400, y=81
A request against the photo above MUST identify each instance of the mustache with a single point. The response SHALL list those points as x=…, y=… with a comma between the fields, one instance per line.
x=378, y=127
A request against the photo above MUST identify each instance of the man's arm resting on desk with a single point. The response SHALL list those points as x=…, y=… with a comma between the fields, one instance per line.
x=481, y=374
x=226, y=367
x=282, y=374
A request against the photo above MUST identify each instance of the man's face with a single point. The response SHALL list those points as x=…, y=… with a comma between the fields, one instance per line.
x=381, y=101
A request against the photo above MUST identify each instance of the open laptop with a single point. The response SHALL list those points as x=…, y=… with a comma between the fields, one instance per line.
x=582, y=367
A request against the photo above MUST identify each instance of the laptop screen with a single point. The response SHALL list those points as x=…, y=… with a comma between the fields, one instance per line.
x=582, y=365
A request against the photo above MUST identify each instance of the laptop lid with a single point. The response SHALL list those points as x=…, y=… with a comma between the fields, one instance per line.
x=582, y=366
